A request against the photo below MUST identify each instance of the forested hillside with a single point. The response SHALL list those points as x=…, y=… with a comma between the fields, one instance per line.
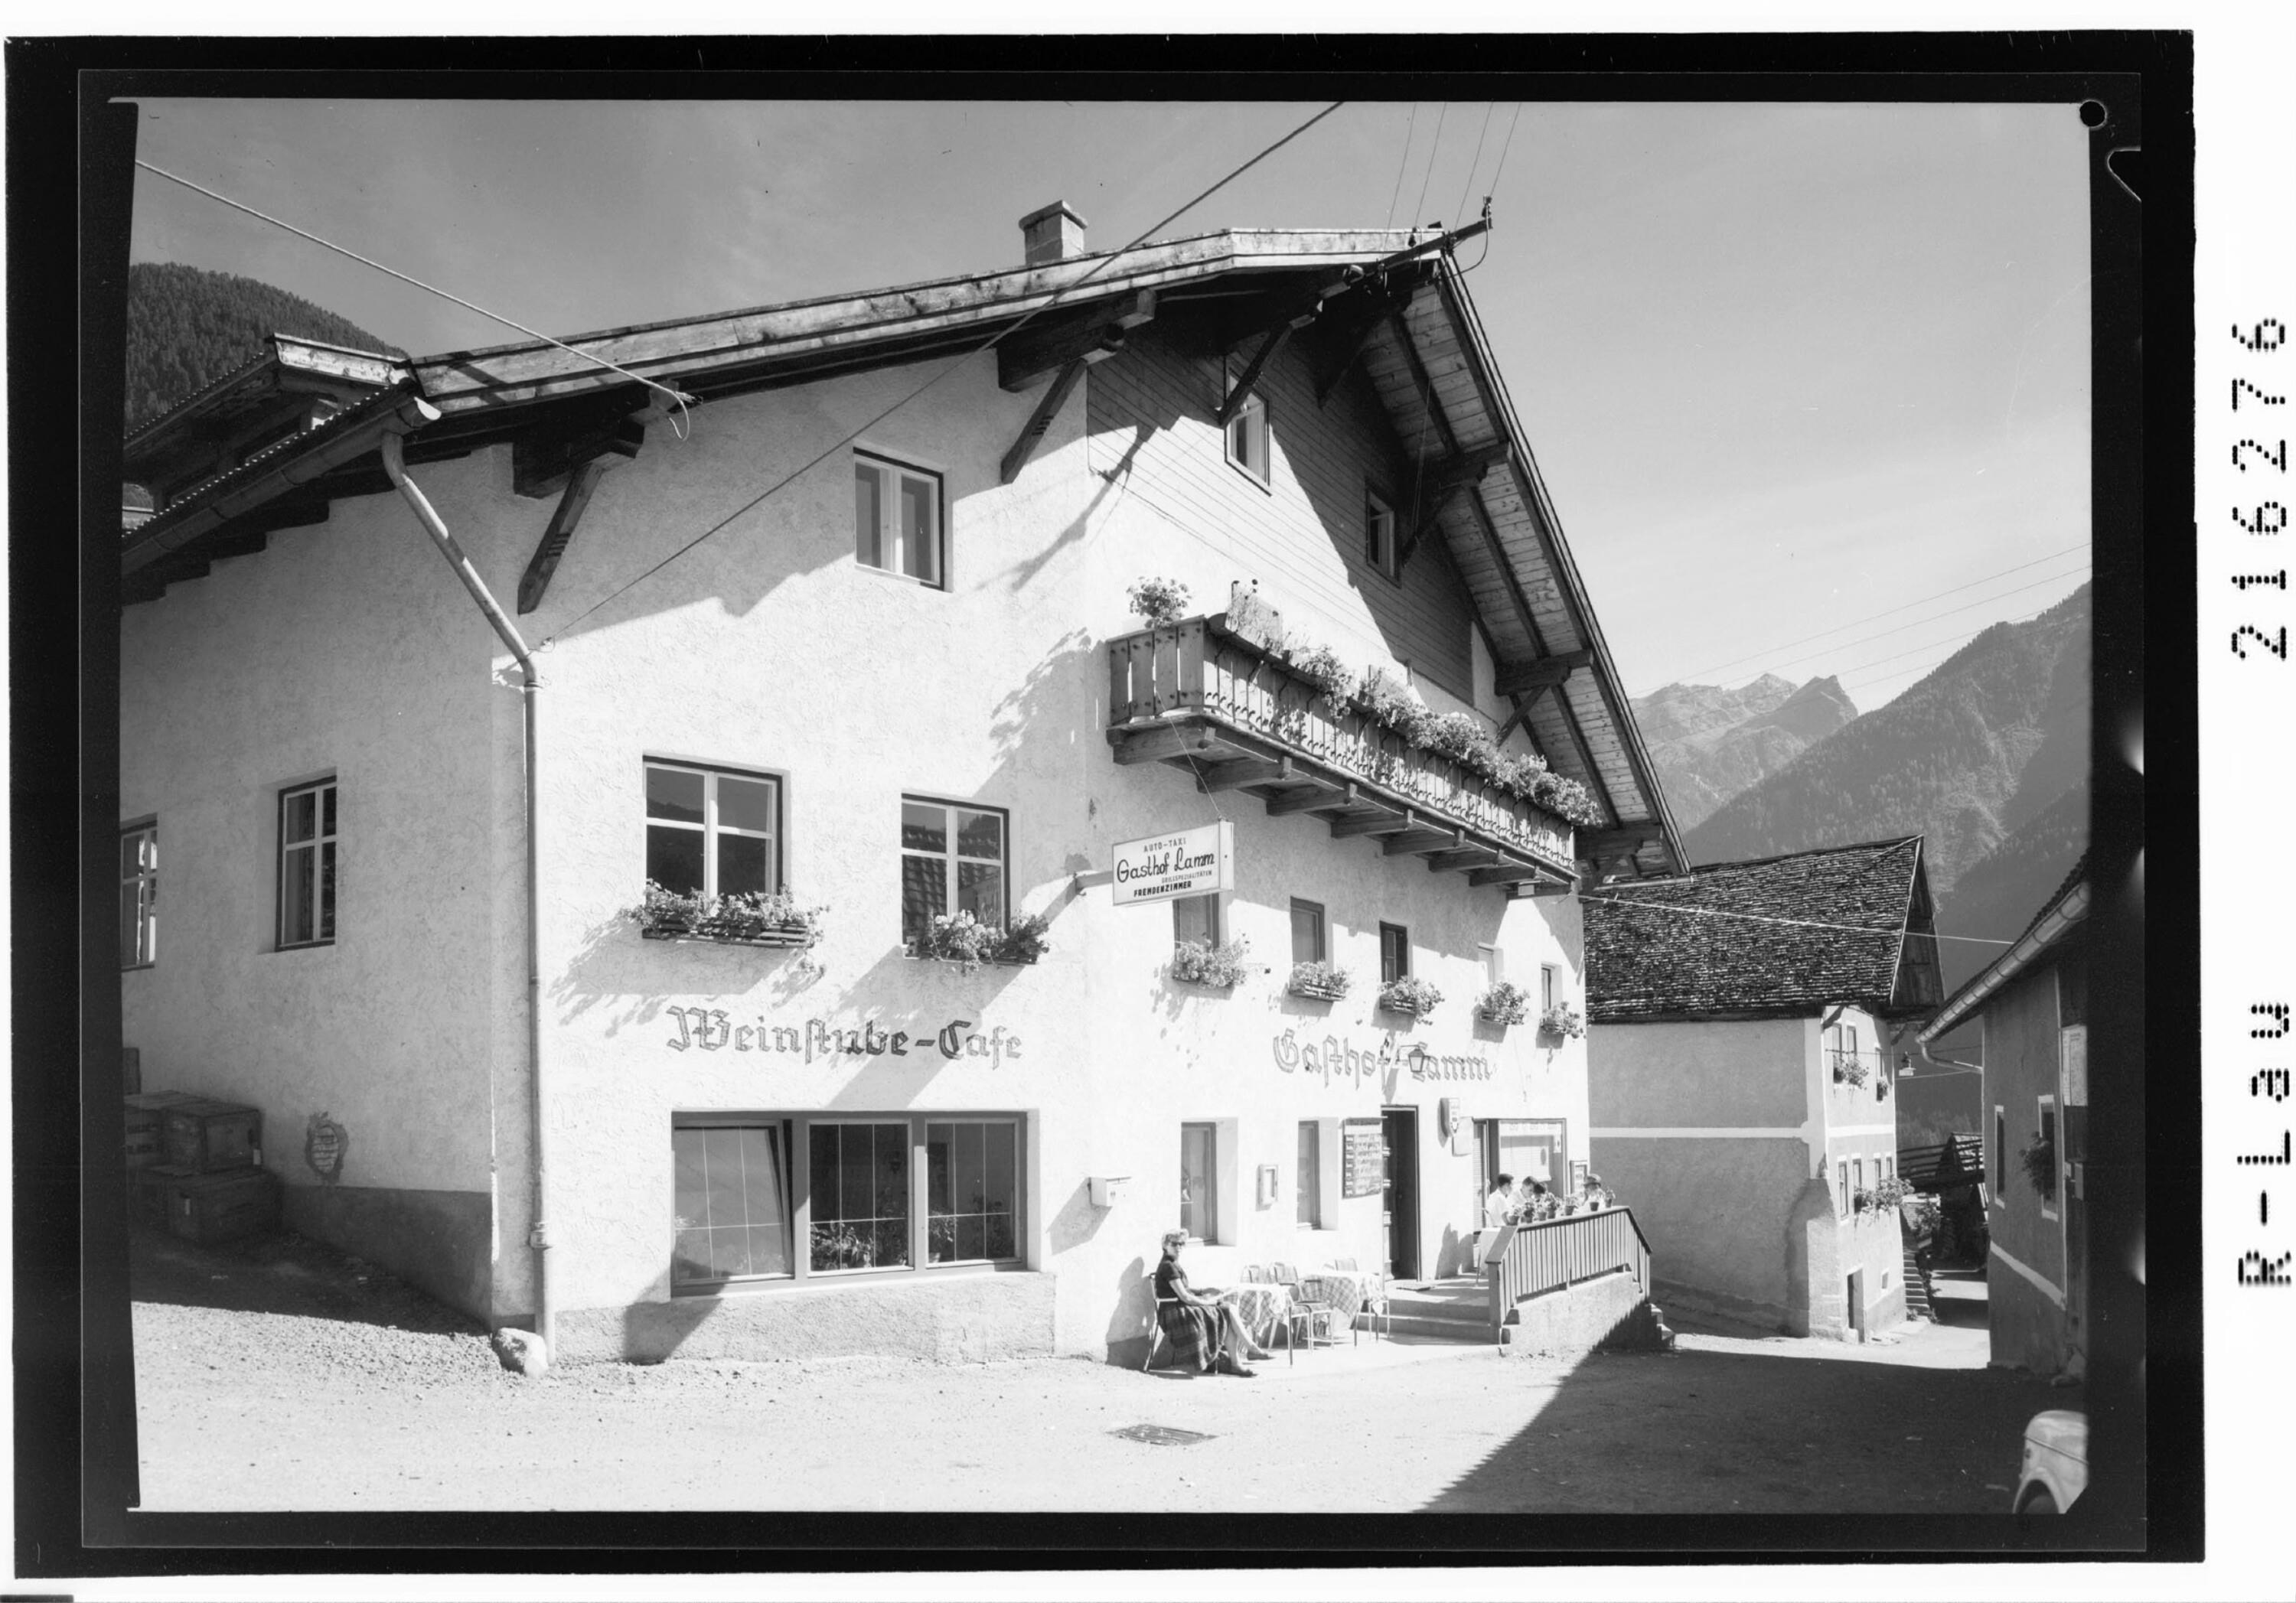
x=187, y=327
x=1947, y=759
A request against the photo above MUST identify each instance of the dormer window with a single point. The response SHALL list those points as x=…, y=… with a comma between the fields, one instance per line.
x=1247, y=439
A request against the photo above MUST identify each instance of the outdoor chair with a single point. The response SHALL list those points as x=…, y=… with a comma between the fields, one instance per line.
x=1155, y=1324
x=1317, y=1315
x=1294, y=1315
x=1374, y=1299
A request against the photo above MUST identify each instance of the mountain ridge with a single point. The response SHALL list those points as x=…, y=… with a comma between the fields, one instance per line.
x=1709, y=742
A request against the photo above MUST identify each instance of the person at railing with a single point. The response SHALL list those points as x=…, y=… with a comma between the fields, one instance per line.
x=1500, y=1204
x=1535, y=1205
x=1204, y=1332
x=1592, y=1195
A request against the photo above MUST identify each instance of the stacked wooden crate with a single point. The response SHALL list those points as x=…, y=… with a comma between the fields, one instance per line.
x=195, y=1167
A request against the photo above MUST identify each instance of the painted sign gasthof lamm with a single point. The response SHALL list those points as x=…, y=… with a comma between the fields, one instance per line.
x=1191, y=862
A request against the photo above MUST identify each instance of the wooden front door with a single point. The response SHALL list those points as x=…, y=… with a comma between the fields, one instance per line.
x=1399, y=1131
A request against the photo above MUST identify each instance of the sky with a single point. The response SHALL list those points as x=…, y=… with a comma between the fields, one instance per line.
x=1789, y=371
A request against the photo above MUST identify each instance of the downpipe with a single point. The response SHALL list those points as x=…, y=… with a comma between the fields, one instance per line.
x=394, y=464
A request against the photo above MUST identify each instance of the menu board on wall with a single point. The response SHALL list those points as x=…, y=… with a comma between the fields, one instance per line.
x=1363, y=1159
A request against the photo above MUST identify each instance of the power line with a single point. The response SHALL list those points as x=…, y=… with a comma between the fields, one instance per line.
x=1409, y=128
x=1715, y=912
x=953, y=367
x=429, y=289
x=1506, y=146
x=1932, y=617
x=1419, y=207
x=1885, y=612
x=1461, y=209
x=1927, y=645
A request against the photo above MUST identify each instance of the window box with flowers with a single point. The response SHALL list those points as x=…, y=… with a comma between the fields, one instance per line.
x=1892, y=1192
x=1850, y=1068
x=1410, y=996
x=745, y=918
x=968, y=942
x=1219, y=967
x=1159, y=602
x=1861, y=1200
x=1318, y=981
x=1503, y=1003
x=1561, y=1021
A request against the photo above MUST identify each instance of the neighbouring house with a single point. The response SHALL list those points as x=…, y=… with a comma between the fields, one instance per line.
x=2031, y=1003
x=1739, y=1082
x=969, y=968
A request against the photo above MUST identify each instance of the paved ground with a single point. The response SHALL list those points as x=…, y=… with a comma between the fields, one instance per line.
x=272, y=1377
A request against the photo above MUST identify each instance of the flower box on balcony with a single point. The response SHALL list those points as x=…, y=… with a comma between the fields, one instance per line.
x=747, y=918
x=1319, y=982
x=1410, y=996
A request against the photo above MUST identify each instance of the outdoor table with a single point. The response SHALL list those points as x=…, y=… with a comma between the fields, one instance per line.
x=1341, y=1290
x=1262, y=1307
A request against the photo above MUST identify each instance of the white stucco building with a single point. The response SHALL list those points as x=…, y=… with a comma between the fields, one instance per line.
x=853, y=624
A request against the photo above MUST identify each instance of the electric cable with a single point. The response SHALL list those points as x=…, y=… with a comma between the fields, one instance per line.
x=1756, y=918
x=2042, y=584
x=1419, y=207
x=429, y=289
x=1400, y=167
x=954, y=364
x=1885, y=612
x=1955, y=640
x=1474, y=161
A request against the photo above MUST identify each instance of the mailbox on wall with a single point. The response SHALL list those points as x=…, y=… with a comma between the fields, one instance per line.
x=1108, y=1189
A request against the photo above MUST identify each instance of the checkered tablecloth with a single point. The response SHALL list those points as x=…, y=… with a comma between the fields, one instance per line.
x=1344, y=1291
x=1262, y=1307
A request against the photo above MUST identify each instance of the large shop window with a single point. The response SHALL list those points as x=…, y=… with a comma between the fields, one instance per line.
x=896, y=522
x=869, y=1193
x=139, y=896
x=307, y=865
x=952, y=862
x=712, y=831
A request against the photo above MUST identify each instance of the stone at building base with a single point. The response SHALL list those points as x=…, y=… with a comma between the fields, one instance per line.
x=439, y=1241
x=1608, y=1313
x=959, y=1319
x=522, y=1353
x=1730, y=1315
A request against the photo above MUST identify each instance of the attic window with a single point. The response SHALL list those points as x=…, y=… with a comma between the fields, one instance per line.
x=1247, y=439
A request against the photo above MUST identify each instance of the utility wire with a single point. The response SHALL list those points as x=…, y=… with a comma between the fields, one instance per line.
x=429, y=289
x=1917, y=622
x=1715, y=912
x=1409, y=128
x=953, y=367
x=1885, y=612
x=1927, y=645
x=1505, y=148
x=1419, y=207
x=1473, y=162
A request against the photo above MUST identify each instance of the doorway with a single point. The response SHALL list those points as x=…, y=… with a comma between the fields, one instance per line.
x=1400, y=1134
x=1856, y=1294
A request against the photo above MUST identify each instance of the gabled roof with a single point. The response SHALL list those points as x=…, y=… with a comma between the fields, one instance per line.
x=1421, y=346
x=2058, y=922
x=1784, y=936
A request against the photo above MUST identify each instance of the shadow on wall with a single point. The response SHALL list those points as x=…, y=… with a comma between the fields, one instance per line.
x=1024, y=573
x=1811, y=1259
x=1455, y=1255
x=616, y=967
x=1076, y=1220
x=1044, y=706
x=1132, y=1321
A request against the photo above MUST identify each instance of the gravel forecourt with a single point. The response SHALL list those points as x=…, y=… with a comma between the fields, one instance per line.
x=275, y=1375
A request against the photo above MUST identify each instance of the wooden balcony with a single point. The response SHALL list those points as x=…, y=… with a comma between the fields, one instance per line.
x=1204, y=698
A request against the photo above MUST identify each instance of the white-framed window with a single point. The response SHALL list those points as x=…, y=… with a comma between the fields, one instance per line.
x=307, y=865
x=1856, y=1175
x=1200, y=1181
x=715, y=831
x=1841, y=1203
x=1380, y=549
x=139, y=896
x=1493, y=962
x=1248, y=438
x=1309, y=941
x=875, y=1193
x=1547, y=976
x=953, y=861
x=1394, y=954
x=1308, y=1178
x=898, y=524
x=1196, y=919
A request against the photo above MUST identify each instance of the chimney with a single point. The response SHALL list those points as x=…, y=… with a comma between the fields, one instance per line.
x=1051, y=233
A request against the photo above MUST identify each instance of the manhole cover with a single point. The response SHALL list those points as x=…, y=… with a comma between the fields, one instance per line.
x=1161, y=1435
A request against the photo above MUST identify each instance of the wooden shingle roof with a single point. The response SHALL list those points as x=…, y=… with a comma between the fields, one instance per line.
x=1782, y=937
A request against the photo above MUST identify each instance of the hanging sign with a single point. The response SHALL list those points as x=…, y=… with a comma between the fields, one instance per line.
x=1363, y=1159
x=1191, y=863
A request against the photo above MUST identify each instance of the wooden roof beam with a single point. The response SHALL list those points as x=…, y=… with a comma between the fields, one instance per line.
x=1313, y=800
x=1048, y=406
x=1504, y=873
x=1383, y=822
x=543, y=461
x=1250, y=771
x=560, y=532
x=1051, y=343
x=1541, y=674
x=1597, y=845
x=1425, y=839
x=1160, y=743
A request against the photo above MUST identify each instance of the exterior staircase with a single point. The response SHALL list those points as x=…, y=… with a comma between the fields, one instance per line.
x=1456, y=1308
x=1918, y=1289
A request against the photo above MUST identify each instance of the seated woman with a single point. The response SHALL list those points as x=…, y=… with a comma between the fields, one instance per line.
x=1206, y=1334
